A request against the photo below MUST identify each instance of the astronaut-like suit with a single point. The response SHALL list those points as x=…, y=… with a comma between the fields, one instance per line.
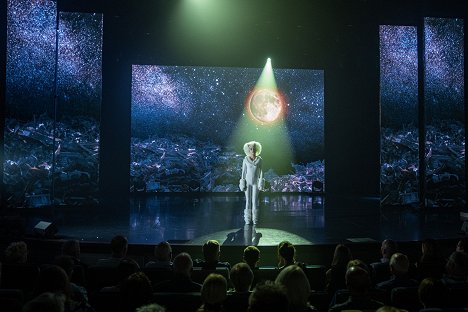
x=253, y=175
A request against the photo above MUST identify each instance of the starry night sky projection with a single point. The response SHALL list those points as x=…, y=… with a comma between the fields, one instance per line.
x=30, y=57
x=444, y=89
x=30, y=103
x=206, y=103
x=398, y=76
x=444, y=110
x=79, y=78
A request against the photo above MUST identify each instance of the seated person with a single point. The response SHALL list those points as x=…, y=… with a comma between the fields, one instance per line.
x=119, y=247
x=211, y=254
x=252, y=256
x=297, y=288
x=181, y=282
x=213, y=293
x=358, y=282
x=287, y=255
x=135, y=291
x=241, y=277
x=163, y=257
x=433, y=294
x=399, y=265
x=16, y=253
x=72, y=248
x=269, y=297
x=78, y=293
x=381, y=269
x=456, y=270
x=335, y=276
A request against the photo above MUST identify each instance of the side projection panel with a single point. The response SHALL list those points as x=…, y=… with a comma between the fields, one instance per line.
x=399, y=115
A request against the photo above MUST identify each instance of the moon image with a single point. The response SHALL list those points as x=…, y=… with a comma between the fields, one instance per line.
x=266, y=105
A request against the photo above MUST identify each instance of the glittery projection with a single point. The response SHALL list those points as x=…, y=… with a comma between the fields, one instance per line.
x=183, y=117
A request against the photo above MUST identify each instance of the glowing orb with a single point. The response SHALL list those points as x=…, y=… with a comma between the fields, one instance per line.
x=265, y=105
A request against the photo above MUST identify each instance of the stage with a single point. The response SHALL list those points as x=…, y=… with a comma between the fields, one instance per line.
x=191, y=219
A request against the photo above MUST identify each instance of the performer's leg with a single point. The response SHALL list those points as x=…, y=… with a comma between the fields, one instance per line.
x=248, y=205
x=247, y=234
x=255, y=204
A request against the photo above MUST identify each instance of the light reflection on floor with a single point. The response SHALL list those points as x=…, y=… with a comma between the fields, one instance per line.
x=302, y=219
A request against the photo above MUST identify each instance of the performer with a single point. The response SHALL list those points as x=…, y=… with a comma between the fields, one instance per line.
x=251, y=181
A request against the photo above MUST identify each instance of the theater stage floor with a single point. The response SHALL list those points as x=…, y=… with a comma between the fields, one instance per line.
x=301, y=219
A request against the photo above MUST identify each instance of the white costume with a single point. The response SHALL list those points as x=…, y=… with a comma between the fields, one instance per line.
x=253, y=175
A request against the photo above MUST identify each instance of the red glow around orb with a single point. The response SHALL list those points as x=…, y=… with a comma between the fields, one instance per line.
x=265, y=105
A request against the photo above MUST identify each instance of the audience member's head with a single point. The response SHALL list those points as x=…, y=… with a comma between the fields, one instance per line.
x=429, y=248
x=119, y=246
x=389, y=309
x=457, y=265
x=357, y=280
x=269, y=297
x=251, y=256
x=297, y=287
x=183, y=264
x=136, y=291
x=151, y=308
x=66, y=263
x=16, y=252
x=462, y=245
x=433, y=293
x=211, y=250
x=46, y=302
x=388, y=248
x=286, y=253
x=163, y=252
x=341, y=256
x=71, y=248
x=358, y=263
x=53, y=278
x=399, y=264
x=213, y=291
x=241, y=277
x=126, y=267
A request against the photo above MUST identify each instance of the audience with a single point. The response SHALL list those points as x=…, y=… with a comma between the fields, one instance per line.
x=119, y=247
x=381, y=269
x=211, y=254
x=54, y=279
x=399, y=265
x=72, y=248
x=151, y=308
x=181, y=282
x=431, y=263
x=163, y=257
x=135, y=291
x=297, y=287
x=241, y=277
x=462, y=245
x=433, y=293
x=335, y=276
x=213, y=293
x=358, y=283
x=46, y=302
x=456, y=270
x=78, y=293
x=289, y=292
x=252, y=256
x=16, y=253
x=286, y=255
x=269, y=297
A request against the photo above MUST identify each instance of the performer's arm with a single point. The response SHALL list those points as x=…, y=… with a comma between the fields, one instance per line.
x=260, y=175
